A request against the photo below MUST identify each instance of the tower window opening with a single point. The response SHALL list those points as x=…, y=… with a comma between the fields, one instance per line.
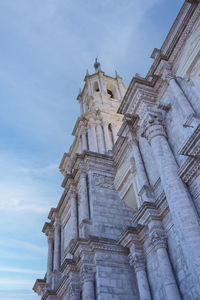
x=110, y=93
x=96, y=87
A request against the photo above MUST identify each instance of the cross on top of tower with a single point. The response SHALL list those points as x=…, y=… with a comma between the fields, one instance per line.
x=97, y=65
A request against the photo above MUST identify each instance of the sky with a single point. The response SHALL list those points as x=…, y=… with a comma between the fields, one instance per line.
x=46, y=48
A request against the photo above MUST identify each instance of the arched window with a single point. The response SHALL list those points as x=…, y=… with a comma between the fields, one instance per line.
x=111, y=90
x=96, y=87
x=110, y=93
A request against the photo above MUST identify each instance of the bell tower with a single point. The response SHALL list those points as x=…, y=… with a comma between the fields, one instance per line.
x=96, y=128
x=85, y=226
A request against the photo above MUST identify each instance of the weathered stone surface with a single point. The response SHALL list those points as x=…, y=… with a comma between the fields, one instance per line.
x=100, y=248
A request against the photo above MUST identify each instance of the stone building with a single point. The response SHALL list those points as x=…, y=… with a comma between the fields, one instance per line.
x=127, y=225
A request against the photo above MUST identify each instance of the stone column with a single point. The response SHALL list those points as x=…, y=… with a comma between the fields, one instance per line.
x=56, y=258
x=87, y=276
x=74, y=221
x=92, y=136
x=144, y=188
x=115, y=131
x=107, y=137
x=183, y=212
x=100, y=137
x=84, y=138
x=137, y=259
x=50, y=259
x=139, y=164
x=159, y=241
x=84, y=195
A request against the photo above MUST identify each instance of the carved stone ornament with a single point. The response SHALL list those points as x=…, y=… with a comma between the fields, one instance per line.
x=74, y=291
x=102, y=181
x=158, y=239
x=87, y=273
x=153, y=126
x=138, y=261
x=167, y=73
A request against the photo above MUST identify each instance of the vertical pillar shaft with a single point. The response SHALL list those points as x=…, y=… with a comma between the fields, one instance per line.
x=84, y=196
x=87, y=275
x=144, y=193
x=50, y=259
x=100, y=138
x=74, y=222
x=159, y=241
x=143, y=285
x=56, y=260
x=84, y=140
x=140, y=170
x=182, y=209
x=79, y=144
x=138, y=261
x=92, y=137
x=88, y=290
x=107, y=137
x=168, y=276
x=115, y=131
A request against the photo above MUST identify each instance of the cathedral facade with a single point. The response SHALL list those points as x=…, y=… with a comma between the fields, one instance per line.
x=127, y=226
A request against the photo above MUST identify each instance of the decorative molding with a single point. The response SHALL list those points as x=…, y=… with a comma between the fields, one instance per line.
x=103, y=181
x=158, y=239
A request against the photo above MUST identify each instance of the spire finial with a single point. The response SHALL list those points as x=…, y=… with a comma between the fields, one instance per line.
x=97, y=65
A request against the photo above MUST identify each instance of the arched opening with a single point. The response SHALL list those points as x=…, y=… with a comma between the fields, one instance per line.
x=111, y=90
x=96, y=87
x=110, y=93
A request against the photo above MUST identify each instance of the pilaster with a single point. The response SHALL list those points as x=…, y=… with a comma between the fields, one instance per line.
x=183, y=212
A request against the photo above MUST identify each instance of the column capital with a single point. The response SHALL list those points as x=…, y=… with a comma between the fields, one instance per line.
x=137, y=257
x=152, y=123
x=158, y=239
x=167, y=73
x=91, y=122
x=138, y=261
x=87, y=273
x=48, y=230
x=74, y=291
x=98, y=122
x=132, y=139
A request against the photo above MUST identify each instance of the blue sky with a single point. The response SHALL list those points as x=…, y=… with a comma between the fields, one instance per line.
x=46, y=47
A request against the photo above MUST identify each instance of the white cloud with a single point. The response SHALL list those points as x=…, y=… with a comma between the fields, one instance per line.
x=25, y=187
x=18, y=270
x=4, y=282
x=20, y=244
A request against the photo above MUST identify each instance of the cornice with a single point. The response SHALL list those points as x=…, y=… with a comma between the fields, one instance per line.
x=136, y=83
x=48, y=227
x=146, y=211
x=191, y=146
x=165, y=53
x=48, y=293
x=130, y=233
x=190, y=170
x=93, y=243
